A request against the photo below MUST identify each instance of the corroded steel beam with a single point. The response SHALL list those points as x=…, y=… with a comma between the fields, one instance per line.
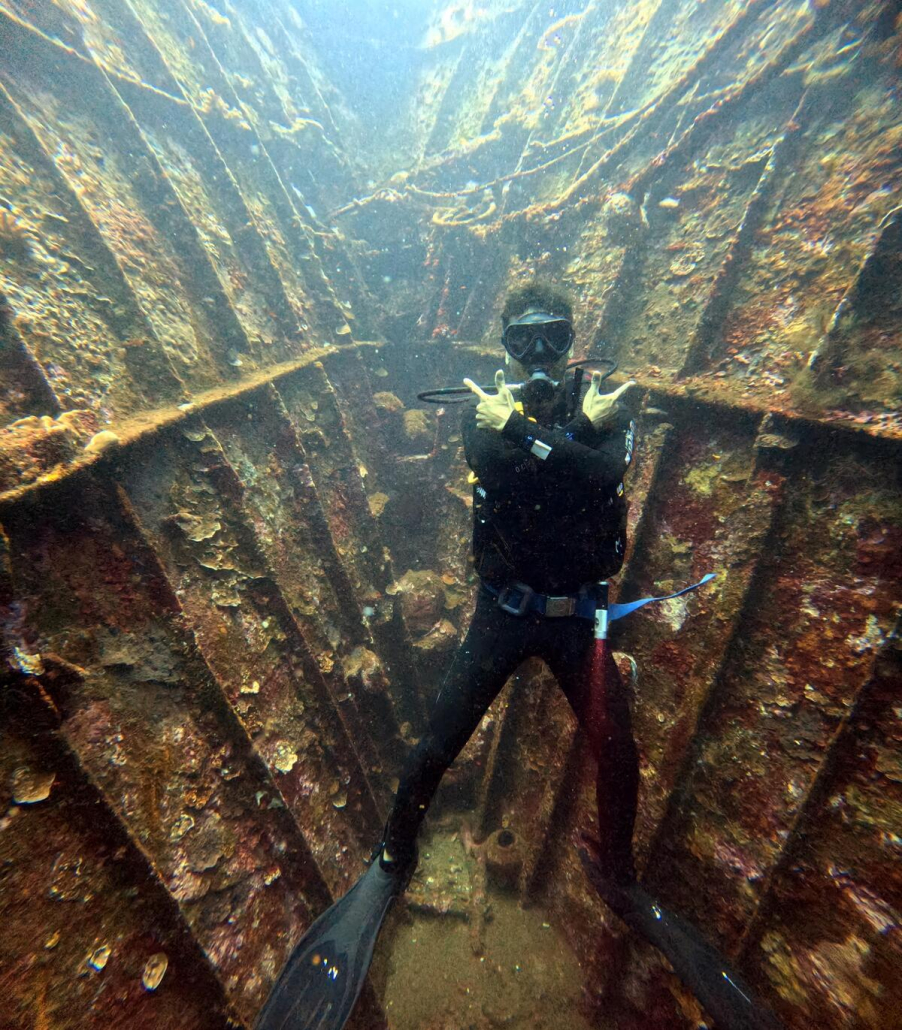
x=282, y=22
x=365, y=438
x=157, y=246
x=662, y=8
x=281, y=501
x=845, y=848
x=785, y=691
x=683, y=149
x=553, y=811
x=830, y=351
x=236, y=245
x=188, y=500
x=271, y=219
x=829, y=429
x=845, y=750
x=244, y=134
x=700, y=350
x=340, y=479
x=487, y=794
x=352, y=382
x=531, y=735
x=28, y=390
x=104, y=281
x=143, y=426
x=148, y=725
x=92, y=934
x=716, y=520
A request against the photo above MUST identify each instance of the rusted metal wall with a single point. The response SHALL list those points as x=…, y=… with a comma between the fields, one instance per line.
x=235, y=553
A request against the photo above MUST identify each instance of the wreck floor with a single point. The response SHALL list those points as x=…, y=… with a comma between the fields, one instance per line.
x=433, y=977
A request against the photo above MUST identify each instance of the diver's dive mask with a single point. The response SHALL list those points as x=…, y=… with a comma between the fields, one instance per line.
x=538, y=338
x=538, y=341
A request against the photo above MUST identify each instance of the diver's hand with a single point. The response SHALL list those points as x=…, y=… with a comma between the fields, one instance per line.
x=602, y=408
x=493, y=412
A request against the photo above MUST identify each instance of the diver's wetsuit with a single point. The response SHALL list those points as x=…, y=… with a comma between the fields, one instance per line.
x=554, y=524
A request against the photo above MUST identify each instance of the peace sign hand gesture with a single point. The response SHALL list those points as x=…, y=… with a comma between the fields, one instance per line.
x=602, y=408
x=493, y=412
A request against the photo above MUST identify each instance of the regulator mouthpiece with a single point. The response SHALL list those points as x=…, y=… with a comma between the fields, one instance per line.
x=538, y=389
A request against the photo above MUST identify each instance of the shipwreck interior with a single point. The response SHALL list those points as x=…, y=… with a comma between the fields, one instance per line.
x=237, y=237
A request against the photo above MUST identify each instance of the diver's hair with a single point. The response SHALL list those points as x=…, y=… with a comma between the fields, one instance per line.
x=537, y=294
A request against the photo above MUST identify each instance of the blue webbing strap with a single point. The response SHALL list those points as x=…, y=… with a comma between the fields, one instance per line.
x=617, y=611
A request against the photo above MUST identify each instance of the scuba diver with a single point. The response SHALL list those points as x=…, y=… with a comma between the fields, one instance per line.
x=549, y=529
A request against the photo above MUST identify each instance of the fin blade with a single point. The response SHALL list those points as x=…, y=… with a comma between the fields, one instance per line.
x=324, y=975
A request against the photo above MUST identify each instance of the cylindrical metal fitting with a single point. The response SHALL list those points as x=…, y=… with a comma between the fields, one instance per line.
x=504, y=859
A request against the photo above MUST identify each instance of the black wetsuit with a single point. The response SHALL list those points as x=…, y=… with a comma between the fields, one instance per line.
x=555, y=524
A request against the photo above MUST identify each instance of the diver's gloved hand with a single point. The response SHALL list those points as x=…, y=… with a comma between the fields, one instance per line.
x=602, y=408
x=493, y=412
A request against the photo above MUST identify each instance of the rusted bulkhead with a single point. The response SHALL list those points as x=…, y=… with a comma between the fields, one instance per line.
x=235, y=547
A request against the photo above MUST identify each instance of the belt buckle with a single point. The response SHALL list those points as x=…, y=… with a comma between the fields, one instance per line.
x=557, y=607
x=526, y=596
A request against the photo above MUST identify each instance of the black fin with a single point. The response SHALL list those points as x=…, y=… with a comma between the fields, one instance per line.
x=719, y=988
x=323, y=977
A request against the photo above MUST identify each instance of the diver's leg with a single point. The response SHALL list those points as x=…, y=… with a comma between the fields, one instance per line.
x=326, y=970
x=495, y=644
x=601, y=705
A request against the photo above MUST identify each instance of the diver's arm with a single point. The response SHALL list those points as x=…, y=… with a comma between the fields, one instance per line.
x=493, y=458
x=618, y=442
x=550, y=452
x=597, y=456
x=581, y=430
x=557, y=454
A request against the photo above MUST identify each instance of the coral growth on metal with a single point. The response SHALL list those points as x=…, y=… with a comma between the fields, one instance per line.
x=234, y=551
